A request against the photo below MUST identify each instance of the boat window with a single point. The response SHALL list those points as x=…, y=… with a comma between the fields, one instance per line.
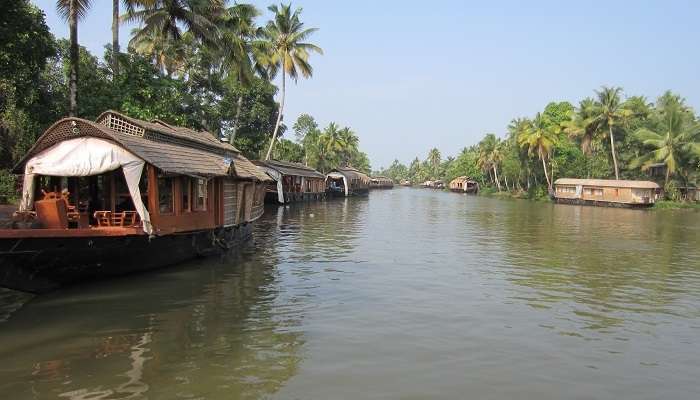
x=201, y=195
x=165, y=195
x=186, y=183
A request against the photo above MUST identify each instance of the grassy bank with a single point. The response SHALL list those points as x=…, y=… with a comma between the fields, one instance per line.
x=675, y=205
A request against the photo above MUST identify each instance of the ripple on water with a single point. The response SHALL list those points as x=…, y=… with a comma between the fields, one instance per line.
x=408, y=294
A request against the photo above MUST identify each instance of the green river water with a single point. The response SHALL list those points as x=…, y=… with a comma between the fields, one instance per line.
x=407, y=294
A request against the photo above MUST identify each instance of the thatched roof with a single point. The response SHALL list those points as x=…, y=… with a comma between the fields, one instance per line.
x=290, y=168
x=607, y=183
x=174, y=150
x=351, y=173
x=462, y=179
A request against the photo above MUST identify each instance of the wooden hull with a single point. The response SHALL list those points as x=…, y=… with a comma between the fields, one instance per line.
x=597, y=203
x=273, y=198
x=468, y=191
x=360, y=192
x=42, y=264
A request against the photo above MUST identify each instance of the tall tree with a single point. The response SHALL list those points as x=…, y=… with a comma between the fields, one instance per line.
x=539, y=139
x=582, y=125
x=609, y=114
x=285, y=39
x=115, y=37
x=238, y=33
x=72, y=11
x=674, y=142
x=434, y=159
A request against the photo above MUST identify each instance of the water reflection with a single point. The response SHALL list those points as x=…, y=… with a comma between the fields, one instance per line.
x=408, y=294
x=181, y=333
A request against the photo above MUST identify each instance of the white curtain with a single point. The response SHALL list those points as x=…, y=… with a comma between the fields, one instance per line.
x=86, y=156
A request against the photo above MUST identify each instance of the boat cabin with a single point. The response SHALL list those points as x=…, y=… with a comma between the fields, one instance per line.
x=347, y=181
x=121, y=175
x=463, y=184
x=292, y=181
x=606, y=192
x=381, y=182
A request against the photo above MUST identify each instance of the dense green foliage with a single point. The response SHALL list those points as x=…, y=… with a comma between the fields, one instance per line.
x=594, y=140
x=192, y=63
x=322, y=149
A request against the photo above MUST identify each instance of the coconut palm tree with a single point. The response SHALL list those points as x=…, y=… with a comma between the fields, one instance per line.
x=285, y=41
x=490, y=156
x=72, y=11
x=166, y=18
x=539, y=139
x=350, y=143
x=609, y=113
x=516, y=127
x=238, y=34
x=582, y=125
x=434, y=159
x=674, y=143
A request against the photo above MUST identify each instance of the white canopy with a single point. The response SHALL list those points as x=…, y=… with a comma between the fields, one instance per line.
x=278, y=178
x=338, y=175
x=86, y=156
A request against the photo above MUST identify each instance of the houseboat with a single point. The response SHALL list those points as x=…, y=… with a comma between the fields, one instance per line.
x=438, y=184
x=292, y=182
x=463, y=184
x=405, y=182
x=606, y=192
x=381, y=182
x=347, y=181
x=122, y=195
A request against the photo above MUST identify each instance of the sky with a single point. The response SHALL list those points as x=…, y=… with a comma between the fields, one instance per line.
x=407, y=76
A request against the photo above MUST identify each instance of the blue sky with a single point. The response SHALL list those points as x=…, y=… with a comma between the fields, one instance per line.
x=409, y=75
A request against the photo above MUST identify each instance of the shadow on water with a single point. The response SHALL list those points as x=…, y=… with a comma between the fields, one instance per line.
x=206, y=328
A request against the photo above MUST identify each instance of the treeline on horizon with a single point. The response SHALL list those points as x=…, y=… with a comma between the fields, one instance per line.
x=606, y=136
x=204, y=65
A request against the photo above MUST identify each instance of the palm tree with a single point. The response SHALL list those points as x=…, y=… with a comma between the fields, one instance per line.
x=434, y=158
x=72, y=11
x=609, y=113
x=284, y=38
x=540, y=138
x=350, y=144
x=676, y=141
x=238, y=33
x=516, y=127
x=165, y=18
x=582, y=125
x=490, y=155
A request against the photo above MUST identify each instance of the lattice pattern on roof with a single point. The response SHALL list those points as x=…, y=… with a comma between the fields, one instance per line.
x=120, y=125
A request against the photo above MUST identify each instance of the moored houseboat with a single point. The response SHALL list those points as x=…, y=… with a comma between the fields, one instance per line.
x=292, y=182
x=381, y=182
x=405, y=182
x=606, y=192
x=121, y=195
x=347, y=181
x=463, y=184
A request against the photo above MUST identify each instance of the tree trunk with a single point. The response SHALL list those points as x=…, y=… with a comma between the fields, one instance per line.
x=546, y=176
x=612, y=149
x=505, y=179
x=668, y=175
x=74, y=59
x=115, y=38
x=279, y=116
x=495, y=175
x=239, y=105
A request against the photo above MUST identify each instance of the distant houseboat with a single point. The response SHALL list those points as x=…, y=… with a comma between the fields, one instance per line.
x=606, y=192
x=292, y=182
x=438, y=184
x=405, y=182
x=463, y=184
x=381, y=182
x=122, y=195
x=347, y=181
